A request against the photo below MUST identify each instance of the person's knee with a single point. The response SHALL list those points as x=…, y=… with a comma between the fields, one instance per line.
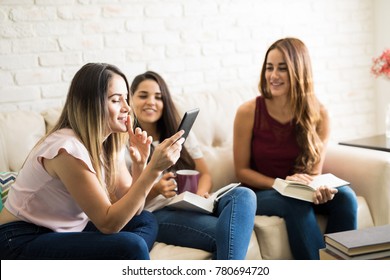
x=347, y=198
x=247, y=196
x=130, y=246
x=245, y=193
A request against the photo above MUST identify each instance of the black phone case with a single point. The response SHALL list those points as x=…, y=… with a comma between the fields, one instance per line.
x=187, y=121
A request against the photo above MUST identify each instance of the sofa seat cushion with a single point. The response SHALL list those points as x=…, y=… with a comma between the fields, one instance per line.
x=272, y=237
x=162, y=251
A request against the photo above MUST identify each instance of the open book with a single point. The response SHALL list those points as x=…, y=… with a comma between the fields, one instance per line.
x=193, y=202
x=305, y=192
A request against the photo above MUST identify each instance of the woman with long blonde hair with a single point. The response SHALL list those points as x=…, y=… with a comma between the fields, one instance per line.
x=74, y=197
x=283, y=133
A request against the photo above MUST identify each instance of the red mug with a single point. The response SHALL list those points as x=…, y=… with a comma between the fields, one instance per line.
x=187, y=180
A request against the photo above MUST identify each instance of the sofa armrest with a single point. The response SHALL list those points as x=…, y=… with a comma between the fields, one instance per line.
x=368, y=171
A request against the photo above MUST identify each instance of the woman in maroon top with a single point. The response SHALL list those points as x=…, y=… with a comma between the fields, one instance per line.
x=283, y=133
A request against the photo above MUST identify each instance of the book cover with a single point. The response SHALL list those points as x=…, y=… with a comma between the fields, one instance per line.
x=192, y=202
x=305, y=192
x=361, y=241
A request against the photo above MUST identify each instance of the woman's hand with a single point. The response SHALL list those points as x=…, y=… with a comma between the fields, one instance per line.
x=166, y=186
x=324, y=194
x=167, y=152
x=300, y=177
x=139, y=144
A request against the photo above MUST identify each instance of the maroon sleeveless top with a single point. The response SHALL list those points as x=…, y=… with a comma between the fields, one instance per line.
x=274, y=146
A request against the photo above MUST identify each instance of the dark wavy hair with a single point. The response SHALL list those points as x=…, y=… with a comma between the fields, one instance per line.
x=168, y=123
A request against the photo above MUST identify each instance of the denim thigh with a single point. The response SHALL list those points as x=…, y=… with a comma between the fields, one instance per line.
x=21, y=240
x=187, y=229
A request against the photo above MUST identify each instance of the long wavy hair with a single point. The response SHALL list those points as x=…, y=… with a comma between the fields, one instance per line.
x=168, y=123
x=86, y=113
x=304, y=103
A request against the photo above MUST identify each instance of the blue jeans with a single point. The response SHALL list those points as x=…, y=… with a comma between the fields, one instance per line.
x=21, y=240
x=226, y=233
x=304, y=234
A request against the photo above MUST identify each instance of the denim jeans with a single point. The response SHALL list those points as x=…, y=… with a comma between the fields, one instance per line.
x=226, y=233
x=304, y=234
x=21, y=240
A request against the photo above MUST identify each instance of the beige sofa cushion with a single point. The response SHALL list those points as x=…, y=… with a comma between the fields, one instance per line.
x=162, y=251
x=19, y=132
x=214, y=128
x=272, y=237
x=51, y=116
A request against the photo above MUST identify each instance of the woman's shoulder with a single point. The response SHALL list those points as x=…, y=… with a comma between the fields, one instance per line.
x=324, y=123
x=63, y=135
x=64, y=139
x=324, y=115
x=248, y=107
x=323, y=111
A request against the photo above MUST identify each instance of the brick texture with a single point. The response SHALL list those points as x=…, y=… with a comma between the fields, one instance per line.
x=197, y=45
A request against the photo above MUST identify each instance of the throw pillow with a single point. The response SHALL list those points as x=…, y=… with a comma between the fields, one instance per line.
x=6, y=180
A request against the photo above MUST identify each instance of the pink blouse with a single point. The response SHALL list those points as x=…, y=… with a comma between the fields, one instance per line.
x=37, y=198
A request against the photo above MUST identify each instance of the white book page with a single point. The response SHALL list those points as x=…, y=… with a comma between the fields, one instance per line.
x=329, y=180
x=223, y=191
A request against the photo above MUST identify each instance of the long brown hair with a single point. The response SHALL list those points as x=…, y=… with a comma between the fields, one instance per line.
x=304, y=103
x=168, y=123
x=86, y=113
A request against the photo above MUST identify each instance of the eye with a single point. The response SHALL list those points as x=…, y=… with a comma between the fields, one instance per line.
x=142, y=96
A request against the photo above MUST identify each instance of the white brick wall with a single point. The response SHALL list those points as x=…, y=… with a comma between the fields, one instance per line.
x=196, y=45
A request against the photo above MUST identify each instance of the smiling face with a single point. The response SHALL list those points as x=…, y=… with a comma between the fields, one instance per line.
x=276, y=74
x=147, y=102
x=118, y=107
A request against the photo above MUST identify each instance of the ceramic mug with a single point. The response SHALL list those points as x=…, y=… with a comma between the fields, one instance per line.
x=187, y=180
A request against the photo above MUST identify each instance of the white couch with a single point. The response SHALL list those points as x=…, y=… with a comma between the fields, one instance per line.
x=367, y=170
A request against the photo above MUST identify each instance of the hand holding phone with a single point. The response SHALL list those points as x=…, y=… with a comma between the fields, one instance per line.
x=187, y=121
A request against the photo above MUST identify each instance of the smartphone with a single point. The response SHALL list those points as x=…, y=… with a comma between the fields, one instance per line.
x=187, y=121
